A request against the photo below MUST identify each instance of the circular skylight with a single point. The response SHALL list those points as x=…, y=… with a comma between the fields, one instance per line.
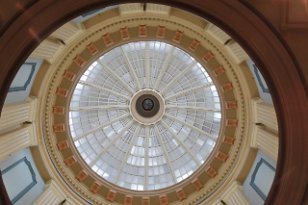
x=145, y=115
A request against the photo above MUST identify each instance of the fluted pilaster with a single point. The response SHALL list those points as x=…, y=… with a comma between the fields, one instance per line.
x=265, y=114
x=15, y=114
x=217, y=33
x=234, y=195
x=237, y=52
x=67, y=32
x=47, y=50
x=266, y=141
x=130, y=8
x=52, y=195
x=16, y=140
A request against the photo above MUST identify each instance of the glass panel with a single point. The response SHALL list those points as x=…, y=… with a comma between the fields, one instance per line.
x=133, y=155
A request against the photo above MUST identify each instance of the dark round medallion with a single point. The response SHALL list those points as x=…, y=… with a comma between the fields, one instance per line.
x=147, y=105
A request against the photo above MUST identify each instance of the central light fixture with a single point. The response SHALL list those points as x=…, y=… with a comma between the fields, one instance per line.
x=148, y=104
x=147, y=107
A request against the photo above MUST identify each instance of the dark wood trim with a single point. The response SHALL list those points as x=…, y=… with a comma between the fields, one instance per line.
x=270, y=53
x=4, y=197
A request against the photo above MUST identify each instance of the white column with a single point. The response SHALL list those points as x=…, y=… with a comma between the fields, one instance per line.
x=67, y=32
x=16, y=140
x=237, y=52
x=217, y=33
x=264, y=114
x=159, y=9
x=14, y=115
x=52, y=195
x=266, y=141
x=47, y=50
x=234, y=195
x=131, y=8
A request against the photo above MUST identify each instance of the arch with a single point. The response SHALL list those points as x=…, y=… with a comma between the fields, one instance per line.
x=30, y=24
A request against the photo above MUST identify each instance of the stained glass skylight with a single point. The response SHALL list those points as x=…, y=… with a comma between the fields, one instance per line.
x=145, y=115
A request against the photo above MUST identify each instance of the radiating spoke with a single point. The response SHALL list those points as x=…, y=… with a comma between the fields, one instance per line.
x=100, y=127
x=132, y=143
x=179, y=76
x=192, y=155
x=93, y=85
x=164, y=67
x=202, y=132
x=98, y=107
x=146, y=156
x=131, y=68
x=166, y=155
x=147, y=65
x=192, y=108
x=188, y=90
x=114, y=138
x=118, y=78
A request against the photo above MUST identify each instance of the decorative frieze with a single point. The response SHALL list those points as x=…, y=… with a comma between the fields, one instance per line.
x=108, y=41
x=95, y=187
x=142, y=31
x=111, y=195
x=227, y=87
x=197, y=184
x=178, y=36
x=161, y=32
x=82, y=175
x=219, y=71
x=163, y=199
x=69, y=75
x=231, y=104
x=63, y=145
x=128, y=200
x=194, y=45
x=231, y=122
x=181, y=194
x=211, y=171
x=229, y=140
x=208, y=57
x=59, y=128
x=62, y=92
x=70, y=161
x=58, y=110
x=222, y=156
x=145, y=201
x=80, y=61
x=124, y=33
x=92, y=48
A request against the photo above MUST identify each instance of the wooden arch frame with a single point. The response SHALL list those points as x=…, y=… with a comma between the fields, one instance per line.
x=31, y=21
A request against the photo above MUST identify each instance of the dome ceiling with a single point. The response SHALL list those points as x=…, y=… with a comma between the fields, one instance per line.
x=143, y=107
x=145, y=115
